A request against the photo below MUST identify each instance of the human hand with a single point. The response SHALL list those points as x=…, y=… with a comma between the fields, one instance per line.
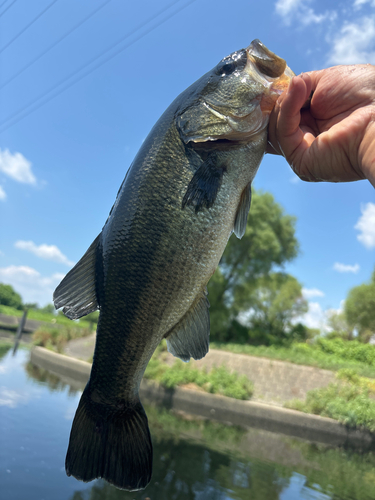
x=334, y=138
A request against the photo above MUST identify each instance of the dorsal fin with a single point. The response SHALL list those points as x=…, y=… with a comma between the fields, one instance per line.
x=77, y=293
x=190, y=337
x=242, y=212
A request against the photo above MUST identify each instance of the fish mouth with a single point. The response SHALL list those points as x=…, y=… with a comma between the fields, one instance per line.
x=270, y=70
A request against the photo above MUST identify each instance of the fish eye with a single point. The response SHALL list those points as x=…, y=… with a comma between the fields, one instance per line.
x=226, y=67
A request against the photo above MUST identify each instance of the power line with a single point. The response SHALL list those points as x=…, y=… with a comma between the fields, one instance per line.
x=53, y=45
x=5, y=1
x=9, y=6
x=27, y=26
x=92, y=69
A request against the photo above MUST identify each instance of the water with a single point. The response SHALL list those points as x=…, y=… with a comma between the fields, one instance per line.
x=193, y=459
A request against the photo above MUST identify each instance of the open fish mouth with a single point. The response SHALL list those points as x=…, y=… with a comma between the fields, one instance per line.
x=270, y=70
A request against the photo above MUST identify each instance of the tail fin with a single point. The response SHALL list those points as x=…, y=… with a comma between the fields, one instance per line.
x=111, y=443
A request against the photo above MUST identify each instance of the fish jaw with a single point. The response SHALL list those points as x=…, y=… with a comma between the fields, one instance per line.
x=271, y=71
x=270, y=97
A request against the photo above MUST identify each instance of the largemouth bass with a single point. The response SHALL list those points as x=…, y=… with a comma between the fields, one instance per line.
x=187, y=190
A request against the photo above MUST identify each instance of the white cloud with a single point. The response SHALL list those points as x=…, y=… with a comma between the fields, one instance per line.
x=298, y=10
x=285, y=7
x=358, y=4
x=315, y=317
x=11, y=398
x=3, y=194
x=366, y=226
x=309, y=293
x=346, y=268
x=355, y=43
x=17, y=167
x=48, y=252
x=28, y=282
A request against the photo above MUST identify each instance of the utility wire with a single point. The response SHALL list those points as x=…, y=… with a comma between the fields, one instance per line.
x=53, y=45
x=27, y=26
x=5, y=1
x=9, y=6
x=26, y=113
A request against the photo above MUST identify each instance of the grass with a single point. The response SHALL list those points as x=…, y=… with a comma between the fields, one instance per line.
x=328, y=354
x=46, y=317
x=216, y=381
x=349, y=400
x=56, y=339
x=5, y=345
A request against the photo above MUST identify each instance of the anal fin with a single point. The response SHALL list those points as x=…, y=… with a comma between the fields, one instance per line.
x=242, y=212
x=77, y=291
x=190, y=337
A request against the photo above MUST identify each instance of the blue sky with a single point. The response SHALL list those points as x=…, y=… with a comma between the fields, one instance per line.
x=81, y=85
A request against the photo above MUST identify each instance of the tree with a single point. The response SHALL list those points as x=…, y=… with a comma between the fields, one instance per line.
x=276, y=301
x=48, y=309
x=360, y=309
x=269, y=241
x=9, y=297
x=31, y=305
x=340, y=328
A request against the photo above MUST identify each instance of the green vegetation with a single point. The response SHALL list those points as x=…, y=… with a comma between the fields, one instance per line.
x=323, y=353
x=56, y=338
x=245, y=279
x=360, y=309
x=347, y=401
x=216, y=381
x=40, y=315
x=340, y=473
x=8, y=297
x=5, y=345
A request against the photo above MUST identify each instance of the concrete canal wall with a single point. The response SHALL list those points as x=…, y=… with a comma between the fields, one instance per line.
x=275, y=382
x=245, y=413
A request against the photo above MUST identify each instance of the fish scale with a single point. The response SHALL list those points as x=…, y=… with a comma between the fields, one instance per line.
x=186, y=191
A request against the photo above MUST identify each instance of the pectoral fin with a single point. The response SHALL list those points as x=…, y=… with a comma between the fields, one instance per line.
x=242, y=212
x=190, y=337
x=77, y=291
x=204, y=186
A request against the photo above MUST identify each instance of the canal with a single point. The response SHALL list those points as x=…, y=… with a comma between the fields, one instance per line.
x=193, y=458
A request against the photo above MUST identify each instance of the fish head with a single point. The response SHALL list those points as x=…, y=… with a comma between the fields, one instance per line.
x=234, y=100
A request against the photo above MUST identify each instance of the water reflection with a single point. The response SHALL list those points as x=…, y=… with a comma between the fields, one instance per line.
x=52, y=381
x=4, y=349
x=193, y=459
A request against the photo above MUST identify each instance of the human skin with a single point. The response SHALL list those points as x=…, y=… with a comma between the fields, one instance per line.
x=332, y=137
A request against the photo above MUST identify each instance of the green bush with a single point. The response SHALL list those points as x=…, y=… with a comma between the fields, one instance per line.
x=347, y=401
x=351, y=350
x=216, y=381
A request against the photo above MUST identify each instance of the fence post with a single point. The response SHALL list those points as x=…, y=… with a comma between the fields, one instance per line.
x=19, y=331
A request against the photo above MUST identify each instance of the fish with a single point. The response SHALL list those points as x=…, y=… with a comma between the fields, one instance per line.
x=187, y=190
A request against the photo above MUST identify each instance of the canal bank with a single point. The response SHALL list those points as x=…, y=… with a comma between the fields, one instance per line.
x=245, y=413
